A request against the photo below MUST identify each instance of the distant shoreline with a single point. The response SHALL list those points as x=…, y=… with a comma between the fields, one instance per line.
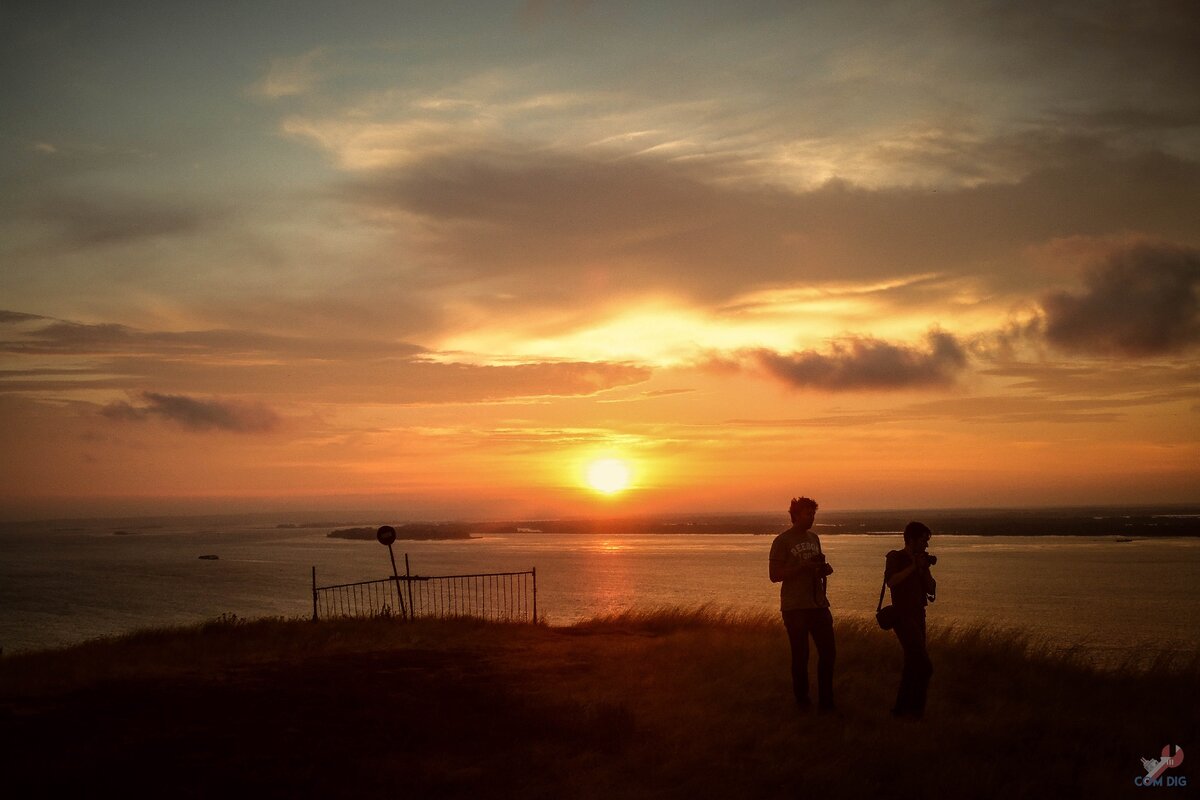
x=1130, y=521
x=1083, y=522
x=874, y=523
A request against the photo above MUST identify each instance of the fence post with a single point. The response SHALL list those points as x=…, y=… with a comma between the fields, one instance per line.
x=314, y=593
x=396, y=578
x=534, y=595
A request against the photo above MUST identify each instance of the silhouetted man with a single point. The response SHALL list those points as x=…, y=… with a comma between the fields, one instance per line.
x=913, y=586
x=799, y=565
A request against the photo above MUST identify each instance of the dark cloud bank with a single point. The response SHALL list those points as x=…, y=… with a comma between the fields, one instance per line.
x=557, y=224
x=862, y=363
x=1144, y=301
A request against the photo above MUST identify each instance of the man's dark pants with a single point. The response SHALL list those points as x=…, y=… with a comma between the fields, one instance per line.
x=800, y=624
x=914, y=680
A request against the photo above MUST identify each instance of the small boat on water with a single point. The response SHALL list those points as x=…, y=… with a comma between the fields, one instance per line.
x=1122, y=539
x=209, y=557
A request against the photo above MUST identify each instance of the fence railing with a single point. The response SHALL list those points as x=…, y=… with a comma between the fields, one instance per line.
x=497, y=596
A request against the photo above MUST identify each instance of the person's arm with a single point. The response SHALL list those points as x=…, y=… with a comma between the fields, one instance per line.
x=901, y=575
x=920, y=566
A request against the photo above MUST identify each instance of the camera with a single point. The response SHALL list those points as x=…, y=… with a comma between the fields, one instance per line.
x=825, y=569
x=931, y=559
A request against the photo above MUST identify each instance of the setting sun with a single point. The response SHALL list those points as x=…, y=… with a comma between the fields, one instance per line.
x=608, y=475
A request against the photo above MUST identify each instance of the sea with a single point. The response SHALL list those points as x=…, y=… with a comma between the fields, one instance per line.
x=1126, y=591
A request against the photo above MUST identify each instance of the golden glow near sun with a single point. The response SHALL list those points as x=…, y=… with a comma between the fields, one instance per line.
x=608, y=475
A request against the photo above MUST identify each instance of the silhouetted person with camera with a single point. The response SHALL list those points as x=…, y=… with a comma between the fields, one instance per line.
x=798, y=564
x=913, y=587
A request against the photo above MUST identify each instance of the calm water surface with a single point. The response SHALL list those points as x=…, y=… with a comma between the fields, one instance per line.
x=63, y=587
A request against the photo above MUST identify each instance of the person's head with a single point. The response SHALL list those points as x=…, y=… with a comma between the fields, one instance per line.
x=803, y=511
x=916, y=535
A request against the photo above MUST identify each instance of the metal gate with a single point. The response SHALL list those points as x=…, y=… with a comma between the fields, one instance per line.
x=497, y=596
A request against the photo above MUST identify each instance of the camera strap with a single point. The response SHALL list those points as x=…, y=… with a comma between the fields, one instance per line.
x=883, y=586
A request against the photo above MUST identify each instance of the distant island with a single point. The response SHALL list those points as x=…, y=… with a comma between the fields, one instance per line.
x=639, y=525
x=411, y=531
x=133, y=531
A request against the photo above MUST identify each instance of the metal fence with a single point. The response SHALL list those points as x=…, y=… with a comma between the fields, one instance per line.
x=497, y=596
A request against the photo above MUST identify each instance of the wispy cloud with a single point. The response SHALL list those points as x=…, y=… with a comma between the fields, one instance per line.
x=301, y=369
x=292, y=75
x=197, y=414
x=65, y=337
x=360, y=145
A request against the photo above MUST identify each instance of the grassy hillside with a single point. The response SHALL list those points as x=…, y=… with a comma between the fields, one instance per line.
x=663, y=704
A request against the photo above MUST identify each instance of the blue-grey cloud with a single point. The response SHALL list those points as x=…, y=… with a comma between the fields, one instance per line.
x=197, y=414
x=857, y=364
x=1143, y=301
x=85, y=222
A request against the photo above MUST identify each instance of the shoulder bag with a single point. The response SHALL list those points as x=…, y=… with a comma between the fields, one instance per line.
x=885, y=615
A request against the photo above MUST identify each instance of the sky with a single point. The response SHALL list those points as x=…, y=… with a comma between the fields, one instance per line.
x=443, y=258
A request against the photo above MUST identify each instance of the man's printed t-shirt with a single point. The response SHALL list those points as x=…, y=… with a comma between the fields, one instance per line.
x=807, y=590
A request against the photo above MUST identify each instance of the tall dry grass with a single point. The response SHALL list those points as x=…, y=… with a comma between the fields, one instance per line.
x=1010, y=715
x=225, y=643
x=689, y=702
